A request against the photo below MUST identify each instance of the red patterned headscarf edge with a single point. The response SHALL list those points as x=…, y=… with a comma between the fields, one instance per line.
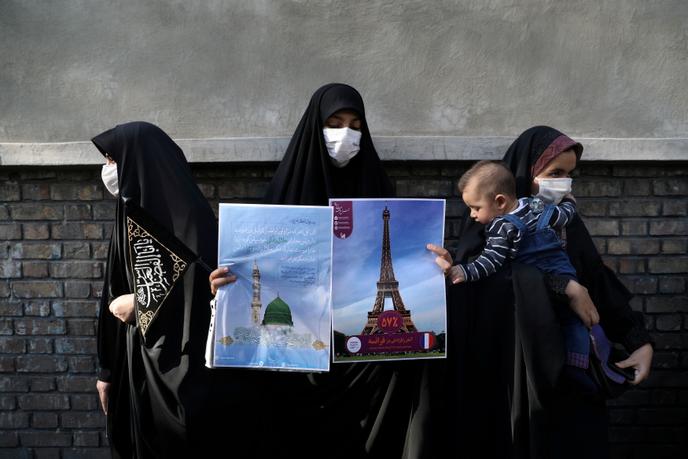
x=557, y=147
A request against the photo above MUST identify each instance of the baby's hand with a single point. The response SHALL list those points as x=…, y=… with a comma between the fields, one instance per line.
x=456, y=275
x=581, y=303
x=443, y=258
x=444, y=261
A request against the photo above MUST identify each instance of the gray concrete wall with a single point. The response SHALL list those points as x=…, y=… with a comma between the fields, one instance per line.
x=232, y=70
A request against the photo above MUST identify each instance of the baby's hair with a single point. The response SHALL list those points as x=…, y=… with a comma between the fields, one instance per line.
x=493, y=177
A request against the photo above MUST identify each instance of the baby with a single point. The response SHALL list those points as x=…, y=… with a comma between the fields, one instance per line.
x=522, y=230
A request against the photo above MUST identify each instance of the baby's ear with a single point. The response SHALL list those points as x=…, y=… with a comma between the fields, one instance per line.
x=501, y=201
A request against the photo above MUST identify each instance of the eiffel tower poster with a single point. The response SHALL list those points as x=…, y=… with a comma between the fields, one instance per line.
x=388, y=295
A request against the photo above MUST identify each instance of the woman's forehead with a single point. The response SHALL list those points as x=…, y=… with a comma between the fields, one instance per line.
x=345, y=113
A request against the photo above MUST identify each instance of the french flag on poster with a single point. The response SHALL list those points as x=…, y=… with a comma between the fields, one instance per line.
x=428, y=340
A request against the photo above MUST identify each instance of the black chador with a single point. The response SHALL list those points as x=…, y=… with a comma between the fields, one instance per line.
x=357, y=409
x=505, y=393
x=159, y=385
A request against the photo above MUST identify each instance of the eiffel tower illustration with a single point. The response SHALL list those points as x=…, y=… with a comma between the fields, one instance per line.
x=387, y=287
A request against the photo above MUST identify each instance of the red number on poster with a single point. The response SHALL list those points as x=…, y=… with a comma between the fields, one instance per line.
x=390, y=321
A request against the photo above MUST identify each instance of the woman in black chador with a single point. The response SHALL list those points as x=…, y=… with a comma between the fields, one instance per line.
x=509, y=395
x=154, y=390
x=345, y=165
x=357, y=409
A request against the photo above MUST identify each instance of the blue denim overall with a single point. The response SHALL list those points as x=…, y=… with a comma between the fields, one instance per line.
x=542, y=248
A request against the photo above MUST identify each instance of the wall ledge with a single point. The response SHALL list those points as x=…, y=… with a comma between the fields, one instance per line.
x=390, y=148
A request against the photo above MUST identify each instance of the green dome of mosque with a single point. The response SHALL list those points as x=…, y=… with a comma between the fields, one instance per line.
x=277, y=313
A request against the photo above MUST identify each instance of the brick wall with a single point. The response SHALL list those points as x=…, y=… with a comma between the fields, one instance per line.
x=54, y=226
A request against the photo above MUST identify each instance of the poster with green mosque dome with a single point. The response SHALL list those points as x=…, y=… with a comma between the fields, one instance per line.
x=277, y=315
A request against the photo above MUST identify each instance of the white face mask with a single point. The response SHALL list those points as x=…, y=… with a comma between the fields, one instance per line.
x=342, y=144
x=553, y=190
x=109, y=176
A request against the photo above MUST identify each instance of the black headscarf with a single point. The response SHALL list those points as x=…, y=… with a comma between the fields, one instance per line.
x=530, y=147
x=158, y=385
x=307, y=176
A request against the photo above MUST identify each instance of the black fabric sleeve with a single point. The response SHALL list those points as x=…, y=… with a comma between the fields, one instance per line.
x=111, y=332
x=108, y=330
x=620, y=322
